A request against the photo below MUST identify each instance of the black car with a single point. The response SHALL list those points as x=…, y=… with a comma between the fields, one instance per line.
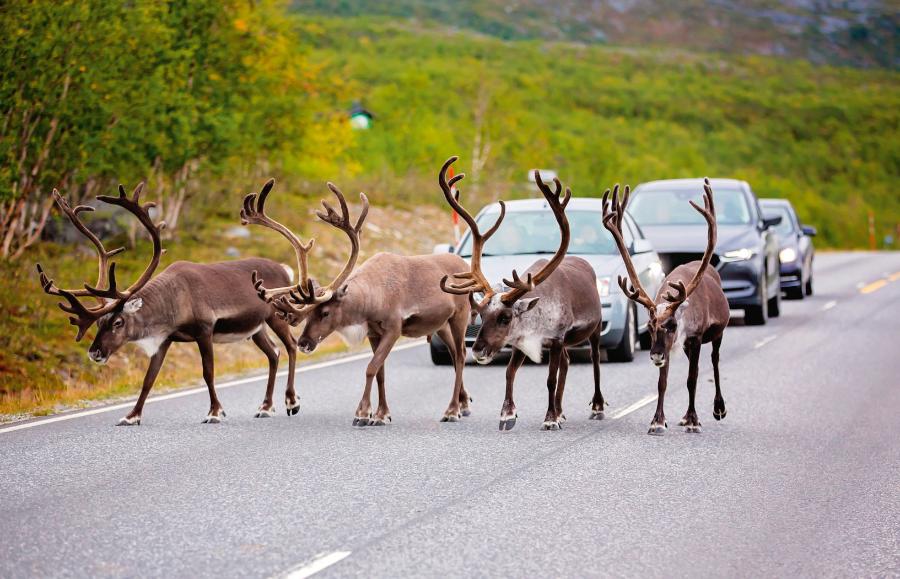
x=747, y=247
x=797, y=249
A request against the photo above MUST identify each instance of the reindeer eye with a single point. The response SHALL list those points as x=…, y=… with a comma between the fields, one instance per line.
x=325, y=314
x=503, y=320
x=118, y=323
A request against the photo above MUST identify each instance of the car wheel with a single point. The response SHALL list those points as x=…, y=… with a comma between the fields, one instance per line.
x=794, y=293
x=758, y=315
x=645, y=340
x=440, y=356
x=624, y=352
x=809, y=286
x=775, y=304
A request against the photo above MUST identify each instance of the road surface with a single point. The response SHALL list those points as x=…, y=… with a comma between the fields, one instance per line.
x=802, y=478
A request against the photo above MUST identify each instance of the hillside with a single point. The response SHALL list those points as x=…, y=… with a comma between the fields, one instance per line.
x=860, y=33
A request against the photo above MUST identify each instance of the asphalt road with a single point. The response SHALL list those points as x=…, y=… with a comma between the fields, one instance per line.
x=802, y=478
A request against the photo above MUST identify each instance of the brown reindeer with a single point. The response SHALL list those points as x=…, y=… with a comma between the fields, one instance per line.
x=555, y=306
x=676, y=320
x=386, y=297
x=187, y=302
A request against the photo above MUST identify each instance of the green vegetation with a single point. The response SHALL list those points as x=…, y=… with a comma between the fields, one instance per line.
x=204, y=101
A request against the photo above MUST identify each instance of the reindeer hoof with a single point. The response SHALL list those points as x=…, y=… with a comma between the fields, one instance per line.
x=361, y=421
x=597, y=415
x=719, y=414
x=466, y=412
x=562, y=418
x=450, y=418
x=380, y=421
x=550, y=425
x=212, y=419
x=136, y=421
x=292, y=408
x=507, y=423
x=657, y=429
x=264, y=413
x=692, y=428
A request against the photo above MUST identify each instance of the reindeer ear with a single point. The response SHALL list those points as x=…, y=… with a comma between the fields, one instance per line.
x=133, y=305
x=339, y=295
x=525, y=305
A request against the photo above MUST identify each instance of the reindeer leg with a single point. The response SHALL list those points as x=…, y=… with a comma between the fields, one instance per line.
x=718, y=401
x=216, y=412
x=453, y=412
x=458, y=329
x=690, y=420
x=508, y=411
x=381, y=347
x=551, y=419
x=283, y=330
x=658, y=426
x=133, y=418
x=382, y=413
x=264, y=343
x=597, y=403
x=561, y=384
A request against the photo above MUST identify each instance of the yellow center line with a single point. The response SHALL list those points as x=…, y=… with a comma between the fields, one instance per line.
x=874, y=286
x=894, y=276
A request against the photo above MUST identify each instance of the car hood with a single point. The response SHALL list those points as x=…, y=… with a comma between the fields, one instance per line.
x=497, y=267
x=686, y=238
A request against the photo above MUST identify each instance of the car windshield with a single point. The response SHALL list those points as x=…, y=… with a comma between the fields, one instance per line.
x=786, y=227
x=671, y=207
x=536, y=232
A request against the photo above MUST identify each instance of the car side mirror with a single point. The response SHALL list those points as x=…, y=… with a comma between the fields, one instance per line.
x=808, y=230
x=442, y=248
x=641, y=246
x=771, y=221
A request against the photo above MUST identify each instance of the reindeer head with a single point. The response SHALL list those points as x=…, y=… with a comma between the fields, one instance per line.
x=319, y=306
x=505, y=318
x=116, y=313
x=666, y=313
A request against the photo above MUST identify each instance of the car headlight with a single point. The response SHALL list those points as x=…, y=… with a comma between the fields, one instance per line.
x=742, y=254
x=787, y=255
x=603, y=286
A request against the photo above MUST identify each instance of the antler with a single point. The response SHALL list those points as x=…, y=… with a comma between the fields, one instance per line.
x=473, y=280
x=679, y=292
x=612, y=220
x=558, y=206
x=109, y=297
x=256, y=214
x=342, y=222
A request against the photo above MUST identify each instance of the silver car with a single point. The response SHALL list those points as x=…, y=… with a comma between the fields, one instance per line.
x=529, y=232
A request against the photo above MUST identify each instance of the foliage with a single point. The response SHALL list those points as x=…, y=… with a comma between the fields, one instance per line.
x=824, y=137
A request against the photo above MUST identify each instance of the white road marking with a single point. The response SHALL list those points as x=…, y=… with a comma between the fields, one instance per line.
x=316, y=564
x=860, y=285
x=202, y=389
x=763, y=342
x=636, y=406
x=829, y=305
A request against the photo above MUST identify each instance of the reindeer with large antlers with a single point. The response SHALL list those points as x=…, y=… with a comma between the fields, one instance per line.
x=555, y=305
x=187, y=302
x=388, y=296
x=690, y=309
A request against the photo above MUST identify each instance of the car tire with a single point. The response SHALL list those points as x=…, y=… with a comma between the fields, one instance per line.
x=758, y=315
x=439, y=356
x=624, y=352
x=794, y=293
x=809, y=286
x=645, y=340
x=775, y=304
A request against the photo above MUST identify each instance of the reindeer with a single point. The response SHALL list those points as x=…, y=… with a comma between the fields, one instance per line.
x=187, y=302
x=387, y=297
x=676, y=320
x=555, y=306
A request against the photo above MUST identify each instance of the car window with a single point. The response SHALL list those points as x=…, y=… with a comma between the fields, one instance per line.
x=786, y=227
x=536, y=232
x=671, y=207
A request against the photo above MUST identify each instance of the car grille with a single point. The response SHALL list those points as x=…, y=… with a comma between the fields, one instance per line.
x=472, y=331
x=672, y=260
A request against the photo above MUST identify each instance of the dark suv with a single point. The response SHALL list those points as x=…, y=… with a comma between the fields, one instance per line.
x=747, y=246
